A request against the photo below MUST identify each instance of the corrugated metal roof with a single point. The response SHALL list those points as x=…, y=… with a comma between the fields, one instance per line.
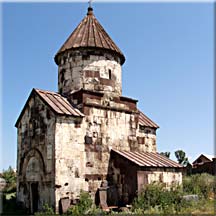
x=148, y=159
x=90, y=33
x=55, y=101
x=58, y=103
x=145, y=121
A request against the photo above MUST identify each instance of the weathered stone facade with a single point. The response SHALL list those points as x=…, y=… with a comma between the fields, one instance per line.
x=60, y=155
x=66, y=139
x=35, y=154
x=83, y=148
x=91, y=70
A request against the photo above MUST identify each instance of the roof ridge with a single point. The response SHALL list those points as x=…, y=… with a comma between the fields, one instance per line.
x=42, y=90
x=85, y=30
x=45, y=95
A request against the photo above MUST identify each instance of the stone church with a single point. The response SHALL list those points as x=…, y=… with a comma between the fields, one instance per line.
x=87, y=133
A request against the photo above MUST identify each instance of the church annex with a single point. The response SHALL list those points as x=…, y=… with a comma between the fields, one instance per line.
x=87, y=133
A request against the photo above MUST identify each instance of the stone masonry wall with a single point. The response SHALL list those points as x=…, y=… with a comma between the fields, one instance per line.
x=146, y=138
x=65, y=155
x=83, y=148
x=70, y=159
x=91, y=70
x=108, y=129
x=167, y=177
x=35, y=159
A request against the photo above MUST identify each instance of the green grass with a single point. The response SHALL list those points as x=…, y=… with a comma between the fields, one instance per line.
x=153, y=200
x=196, y=208
x=201, y=207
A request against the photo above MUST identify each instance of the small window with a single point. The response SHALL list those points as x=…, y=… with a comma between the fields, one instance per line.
x=77, y=173
x=141, y=128
x=77, y=124
x=110, y=73
x=141, y=140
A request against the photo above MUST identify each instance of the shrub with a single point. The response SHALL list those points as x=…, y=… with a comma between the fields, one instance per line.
x=47, y=210
x=200, y=184
x=84, y=205
x=156, y=198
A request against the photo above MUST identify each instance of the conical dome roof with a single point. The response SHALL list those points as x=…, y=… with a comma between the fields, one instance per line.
x=90, y=33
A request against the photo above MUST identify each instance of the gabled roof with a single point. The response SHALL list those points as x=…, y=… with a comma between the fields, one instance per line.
x=56, y=102
x=207, y=157
x=90, y=33
x=145, y=121
x=148, y=159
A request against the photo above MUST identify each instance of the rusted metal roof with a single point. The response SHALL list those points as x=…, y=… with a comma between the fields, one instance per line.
x=148, y=159
x=58, y=103
x=55, y=101
x=90, y=33
x=145, y=121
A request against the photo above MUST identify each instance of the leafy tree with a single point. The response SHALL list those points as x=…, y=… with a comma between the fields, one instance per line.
x=166, y=154
x=10, y=177
x=181, y=157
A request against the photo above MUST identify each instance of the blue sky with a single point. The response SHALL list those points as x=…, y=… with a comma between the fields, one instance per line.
x=169, y=64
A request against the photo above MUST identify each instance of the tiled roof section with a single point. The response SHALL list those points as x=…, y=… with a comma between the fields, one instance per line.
x=148, y=159
x=145, y=121
x=58, y=103
x=90, y=33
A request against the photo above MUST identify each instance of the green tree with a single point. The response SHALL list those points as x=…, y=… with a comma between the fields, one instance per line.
x=181, y=157
x=166, y=154
x=10, y=177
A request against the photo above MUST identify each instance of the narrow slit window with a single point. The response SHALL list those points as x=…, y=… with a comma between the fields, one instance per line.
x=110, y=74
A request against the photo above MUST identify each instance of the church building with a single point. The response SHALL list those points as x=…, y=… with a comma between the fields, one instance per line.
x=87, y=133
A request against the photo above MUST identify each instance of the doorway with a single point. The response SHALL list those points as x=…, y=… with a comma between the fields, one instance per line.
x=34, y=197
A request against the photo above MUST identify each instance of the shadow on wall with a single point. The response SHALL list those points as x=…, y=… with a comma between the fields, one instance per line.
x=122, y=181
